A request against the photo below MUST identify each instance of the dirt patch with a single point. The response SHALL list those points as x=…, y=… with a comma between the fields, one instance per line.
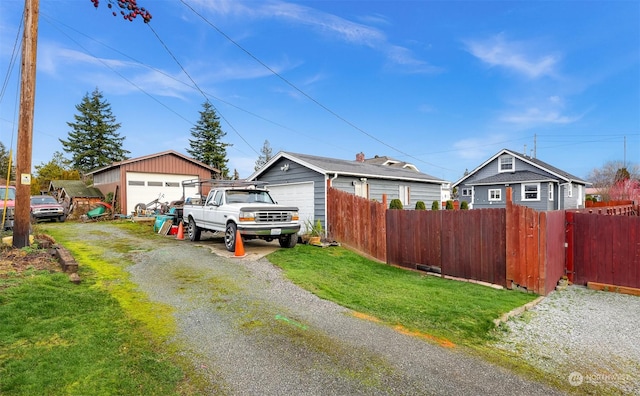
x=17, y=261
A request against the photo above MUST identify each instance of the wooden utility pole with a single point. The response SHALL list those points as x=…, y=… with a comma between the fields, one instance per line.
x=25, y=125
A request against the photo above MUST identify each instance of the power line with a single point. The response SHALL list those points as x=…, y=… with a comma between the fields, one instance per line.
x=12, y=61
x=52, y=20
x=120, y=74
x=327, y=109
x=198, y=88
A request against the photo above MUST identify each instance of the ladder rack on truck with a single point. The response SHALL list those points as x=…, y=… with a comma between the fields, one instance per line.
x=211, y=183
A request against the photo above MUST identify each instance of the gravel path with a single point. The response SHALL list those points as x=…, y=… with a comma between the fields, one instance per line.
x=587, y=337
x=254, y=333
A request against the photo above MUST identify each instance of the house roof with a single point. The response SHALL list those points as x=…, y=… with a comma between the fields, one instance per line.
x=388, y=161
x=332, y=166
x=150, y=156
x=75, y=188
x=512, y=177
x=558, y=173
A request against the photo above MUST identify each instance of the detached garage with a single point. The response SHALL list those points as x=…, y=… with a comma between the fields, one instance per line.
x=302, y=180
x=143, y=179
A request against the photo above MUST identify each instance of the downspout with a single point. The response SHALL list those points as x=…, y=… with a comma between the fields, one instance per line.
x=326, y=215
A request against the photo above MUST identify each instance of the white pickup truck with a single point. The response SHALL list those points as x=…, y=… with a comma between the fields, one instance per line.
x=246, y=207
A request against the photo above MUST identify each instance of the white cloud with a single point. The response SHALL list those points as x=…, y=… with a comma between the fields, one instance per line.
x=478, y=148
x=513, y=55
x=327, y=24
x=548, y=111
x=533, y=116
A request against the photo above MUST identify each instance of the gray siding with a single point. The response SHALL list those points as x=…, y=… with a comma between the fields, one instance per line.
x=426, y=192
x=481, y=197
x=108, y=176
x=561, y=199
x=297, y=173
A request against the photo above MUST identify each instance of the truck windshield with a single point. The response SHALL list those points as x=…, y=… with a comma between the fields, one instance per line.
x=248, y=196
x=10, y=197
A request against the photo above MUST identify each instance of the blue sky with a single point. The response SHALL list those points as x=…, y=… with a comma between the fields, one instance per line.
x=441, y=84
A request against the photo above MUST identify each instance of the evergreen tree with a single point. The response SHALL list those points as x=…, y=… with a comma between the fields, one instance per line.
x=94, y=141
x=206, y=145
x=4, y=164
x=265, y=156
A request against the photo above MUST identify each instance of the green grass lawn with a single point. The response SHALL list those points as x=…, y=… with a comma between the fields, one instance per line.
x=60, y=338
x=459, y=312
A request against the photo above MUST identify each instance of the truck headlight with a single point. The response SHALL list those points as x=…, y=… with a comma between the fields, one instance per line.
x=295, y=216
x=247, y=216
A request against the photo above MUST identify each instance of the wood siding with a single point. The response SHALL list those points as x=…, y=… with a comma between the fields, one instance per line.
x=168, y=163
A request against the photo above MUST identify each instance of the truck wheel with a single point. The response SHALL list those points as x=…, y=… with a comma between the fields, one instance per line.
x=288, y=241
x=193, y=231
x=230, y=237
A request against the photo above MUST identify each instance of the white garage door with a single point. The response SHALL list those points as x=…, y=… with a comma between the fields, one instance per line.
x=295, y=194
x=145, y=187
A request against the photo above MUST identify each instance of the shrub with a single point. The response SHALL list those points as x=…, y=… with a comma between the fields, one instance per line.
x=435, y=205
x=464, y=205
x=395, y=204
x=449, y=205
x=420, y=205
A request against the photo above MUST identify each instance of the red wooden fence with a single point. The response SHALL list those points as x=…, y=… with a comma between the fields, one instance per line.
x=605, y=249
x=516, y=247
x=357, y=222
x=535, y=248
x=465, y=244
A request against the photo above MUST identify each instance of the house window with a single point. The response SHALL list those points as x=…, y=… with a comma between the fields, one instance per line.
x=531, y=192
x=550, y=191
x=172, y=184
x=506, y=164
x=136, y=183
x=495, y=194
x=154, y=184
x=466, y=192
x=403, y=193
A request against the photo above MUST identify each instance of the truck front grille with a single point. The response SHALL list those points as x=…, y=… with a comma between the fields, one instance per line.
x=273, y=217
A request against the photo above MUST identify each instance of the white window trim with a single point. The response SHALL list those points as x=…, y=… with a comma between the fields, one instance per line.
x=467, y=189
x=499, y=195
x=404, y=194
x=550, y=192
x=513, y=164
x=522, y=192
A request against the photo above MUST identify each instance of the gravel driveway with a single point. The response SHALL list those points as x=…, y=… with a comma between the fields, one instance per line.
x=585, y=336
x=251, y=332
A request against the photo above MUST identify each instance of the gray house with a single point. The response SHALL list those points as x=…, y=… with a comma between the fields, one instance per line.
x=534, y=183
x=302, y=180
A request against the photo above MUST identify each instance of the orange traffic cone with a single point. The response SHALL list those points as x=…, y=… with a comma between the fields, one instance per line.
x=180, y=232
x=239, y=252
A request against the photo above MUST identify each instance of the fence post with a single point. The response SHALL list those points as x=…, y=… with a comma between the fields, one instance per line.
x=509, y=242
x=569, y=271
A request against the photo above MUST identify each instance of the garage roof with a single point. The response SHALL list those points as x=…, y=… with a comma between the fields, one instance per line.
x=331, y=166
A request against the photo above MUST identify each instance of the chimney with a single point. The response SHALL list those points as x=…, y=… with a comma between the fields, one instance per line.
x=360, y=157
